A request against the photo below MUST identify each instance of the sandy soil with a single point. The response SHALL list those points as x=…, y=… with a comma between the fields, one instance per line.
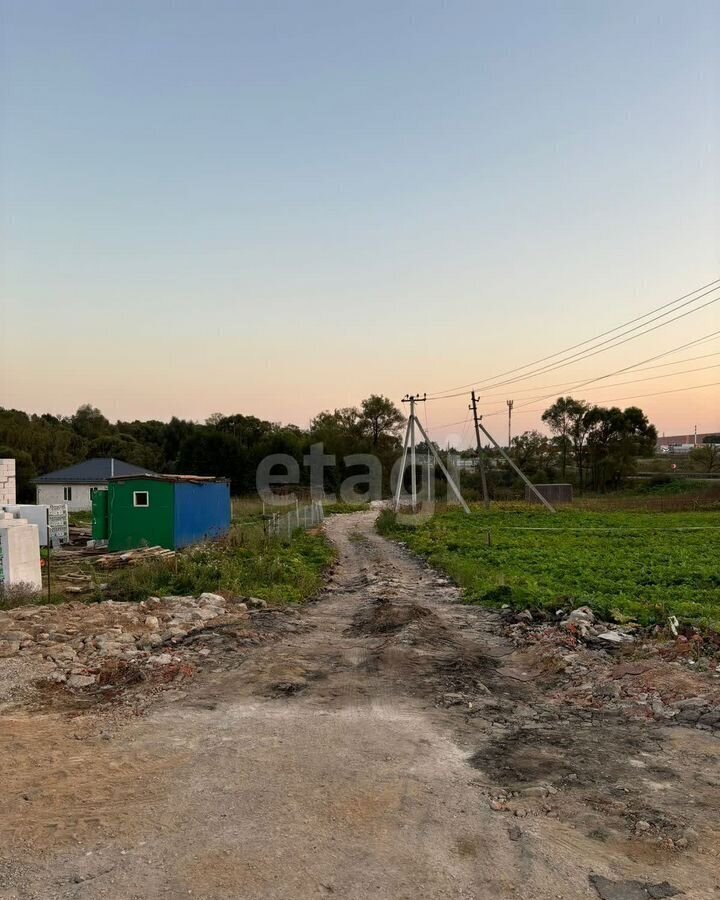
x=391, y=744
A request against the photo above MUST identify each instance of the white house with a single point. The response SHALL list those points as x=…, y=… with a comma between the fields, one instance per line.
x=75, y=484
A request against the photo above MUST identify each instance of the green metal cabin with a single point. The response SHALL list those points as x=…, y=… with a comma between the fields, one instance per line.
x=169, y=511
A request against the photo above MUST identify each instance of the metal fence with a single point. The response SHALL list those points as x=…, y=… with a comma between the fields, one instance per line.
x=307, y=516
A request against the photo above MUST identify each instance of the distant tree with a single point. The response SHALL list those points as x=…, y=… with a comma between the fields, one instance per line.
x=126, y=448
x=209, y=452
x=615, y=439
x=249, y=430
x=604, y=443
x=89, y=422
x=380, y=417
x=533, y=452
x=214, y=419
x=707, y=458
x=565, y=420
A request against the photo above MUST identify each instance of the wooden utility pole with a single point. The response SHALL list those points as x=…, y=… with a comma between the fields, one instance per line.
x=479, y=425
x=481, y=454
x=413, y=421
x=510, y=404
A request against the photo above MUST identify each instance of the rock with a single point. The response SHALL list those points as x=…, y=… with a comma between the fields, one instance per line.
x=711, y=718
x=631, y=890
x=514, y=832
x=152, y=622
x=215, y=599
x=691, y=703
x=209, y=613
x=204, y=652
x=80, y=681
x=126, y=638
x=642, y=827
x=499, y=806
x=57, y=677
x=581, y=615
x=525, y=616
x=256, y=603
x=15, y=637
x=615, y=637
x=660, y=711
x=9, y=648
x=163, y=659
x=62, y=652
x=688, y=716
x=175, y=632
x=111, y=649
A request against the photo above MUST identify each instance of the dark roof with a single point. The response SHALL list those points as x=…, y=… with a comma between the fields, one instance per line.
x=92, y=471
x=191, y=479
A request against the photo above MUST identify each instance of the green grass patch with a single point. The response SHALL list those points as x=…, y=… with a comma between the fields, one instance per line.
x=249, y=563
x=341, y=507
x=638, y=565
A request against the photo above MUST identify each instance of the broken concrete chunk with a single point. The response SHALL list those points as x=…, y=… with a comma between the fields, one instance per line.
x=615, y=637
x=80, y=681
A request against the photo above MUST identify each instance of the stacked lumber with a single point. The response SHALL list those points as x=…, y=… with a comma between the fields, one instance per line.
x=132, y=557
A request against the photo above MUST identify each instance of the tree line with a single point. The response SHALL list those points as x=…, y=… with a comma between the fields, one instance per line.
x=225, y=446
x=595, y=447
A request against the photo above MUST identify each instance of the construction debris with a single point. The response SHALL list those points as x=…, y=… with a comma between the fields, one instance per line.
x=132, y=557
x=80, y=646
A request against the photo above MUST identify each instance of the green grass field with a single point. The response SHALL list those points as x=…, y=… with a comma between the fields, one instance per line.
x=625, y=565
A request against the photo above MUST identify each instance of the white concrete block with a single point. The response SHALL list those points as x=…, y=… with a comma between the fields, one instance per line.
x=19, y=553
x=8, y=493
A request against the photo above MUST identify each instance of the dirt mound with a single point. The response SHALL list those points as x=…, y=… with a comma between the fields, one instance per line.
x=385, y=617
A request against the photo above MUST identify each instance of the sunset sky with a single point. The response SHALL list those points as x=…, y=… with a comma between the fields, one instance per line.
x=277, y=207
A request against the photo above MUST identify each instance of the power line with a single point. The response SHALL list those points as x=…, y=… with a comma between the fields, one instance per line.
x=636, y=380
x=635, y=365
x=568, y=385
x=593, y=351
x=582, y=343
x=563, y=386
x=692, y=387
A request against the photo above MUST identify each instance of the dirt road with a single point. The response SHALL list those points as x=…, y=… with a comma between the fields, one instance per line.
x=392, y=744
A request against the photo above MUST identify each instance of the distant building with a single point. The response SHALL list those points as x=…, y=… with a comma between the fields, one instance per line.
x=75, y=484
x=681, y=443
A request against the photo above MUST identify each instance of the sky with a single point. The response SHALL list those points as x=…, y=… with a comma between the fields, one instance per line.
x=276, y=208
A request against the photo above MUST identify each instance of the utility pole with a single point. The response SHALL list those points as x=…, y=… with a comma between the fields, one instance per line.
x=413, y=420
x=479, y=425
x=510, y=404
x=481, y=455
x=413, y=471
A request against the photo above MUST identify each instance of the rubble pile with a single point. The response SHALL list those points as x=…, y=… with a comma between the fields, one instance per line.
x=644, y=673
x=78, y=645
